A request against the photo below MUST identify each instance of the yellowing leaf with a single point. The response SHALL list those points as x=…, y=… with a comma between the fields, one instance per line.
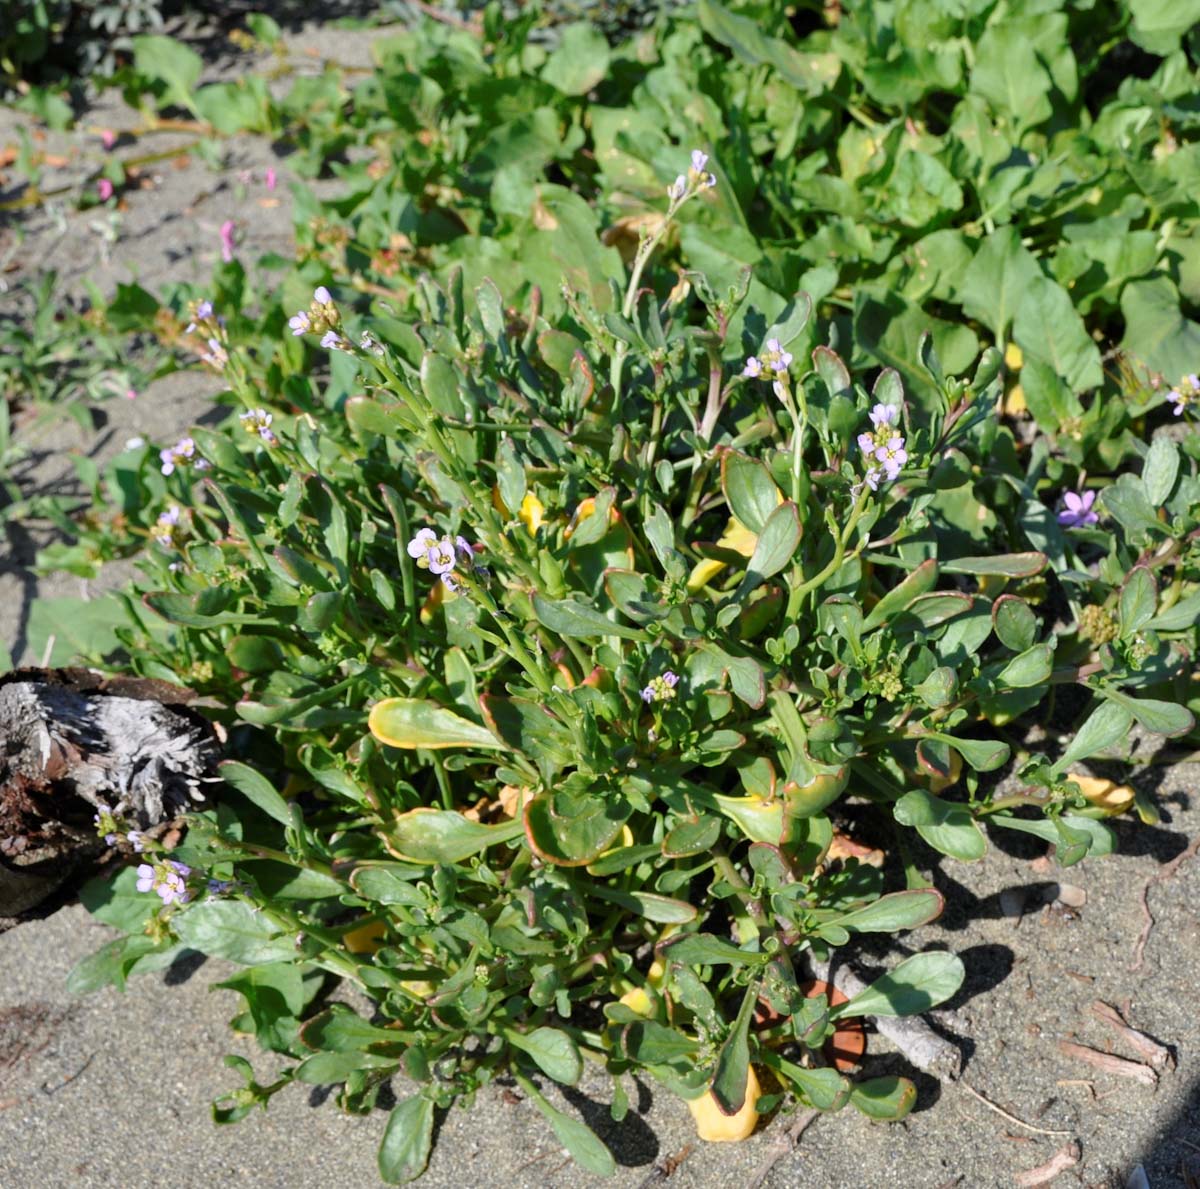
x=411, y=722
x=532, y=513
x=1113, y=798
x=719, y=1128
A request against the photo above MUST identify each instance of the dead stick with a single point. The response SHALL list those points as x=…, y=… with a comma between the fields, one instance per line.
x=1158, y=1056
x=1066, y=1157
x=783, y=1146
x=1109, y=1063
x=1008, y=1114
x=1139, y=950
x=910, y=1034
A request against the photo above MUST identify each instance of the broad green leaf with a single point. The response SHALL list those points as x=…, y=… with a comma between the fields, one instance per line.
x=664, y=909
x=258, y=789
x=702, y=949
x=1010, y=77
x=1158, y=717
x=116, y=901
x=411, y=723
x=888, y=1098
x=169, y=62
x=984, y=755
x=894, y=912
x=579, y=61
x=389, y=883
x=1139, y=598
x=1014, y=622
x=1156, y=331
x=1048, y=328
x=996, y=280
x=731, y=1076
x=566, y=617
x=555, y=1053
x=921, y=580
x=1183, y=615
x=443, y=836
x=572, y=829
x=1105, y=727
x=749, y=490
x=234, y=930
x=776, y=546
x=1158, y=25
x=1010, y=565
x=407, y=1140
x=1101, y=838
x=945, y=825
x=1032, y=667
x=917, y=984
x=585, y=1147
x=1160, y=470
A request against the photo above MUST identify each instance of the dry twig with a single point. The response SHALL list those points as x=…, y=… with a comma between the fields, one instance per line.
x=1139, y=950
x=782, y=1146
x=1066, y=1157
x=1157, y=1056
x=1007, y=1114
x=1109, y=1062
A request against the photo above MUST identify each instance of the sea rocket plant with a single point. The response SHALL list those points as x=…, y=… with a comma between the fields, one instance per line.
x=882, y=446
x=258, y=422
x=167, y=523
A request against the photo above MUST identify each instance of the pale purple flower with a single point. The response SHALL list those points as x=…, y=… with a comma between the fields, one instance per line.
x=882, y=415
x=300, y=323
x=167, y=878
x=699, y=160
x=441, y=556
x=368, y=342
x=893, y=456
x=216, y=356
x=167, y=523
x=1186, y=392
x=779, y=359
x=866, y=443
x=105, y=189
x=227, y=230
x=779, y=390
x=661, y=688
x=871, y=478
x=753, y=368
x=258, y=421
x=204, y=308
x=420, y=546
x=332, y=341
x=321, y=296
x=1077, y=510
x=183, y=452
x=136, y=839
x=219, y=887
x=677, y=189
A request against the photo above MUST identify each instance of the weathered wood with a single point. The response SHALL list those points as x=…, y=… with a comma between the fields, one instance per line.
x=72, y=742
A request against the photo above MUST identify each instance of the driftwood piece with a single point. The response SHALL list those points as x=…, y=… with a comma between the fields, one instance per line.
x=74, y=742
x=910, y=1034
x=1156, y=1055
x=1109, y=1062
x=1066, y=1157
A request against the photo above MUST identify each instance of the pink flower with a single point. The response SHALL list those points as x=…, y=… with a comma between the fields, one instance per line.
x=1077, y=510
x=270, y=178
x=105, y=189
x=227, y=230
x=108, y=137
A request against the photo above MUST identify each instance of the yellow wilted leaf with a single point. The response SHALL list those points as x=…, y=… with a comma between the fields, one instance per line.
x=1113, y=798
x=1014, y=357
x=720, y=1128
x=738, y=539
x=532, y=513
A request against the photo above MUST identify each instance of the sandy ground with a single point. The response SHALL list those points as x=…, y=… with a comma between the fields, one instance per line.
x=112, y=1090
